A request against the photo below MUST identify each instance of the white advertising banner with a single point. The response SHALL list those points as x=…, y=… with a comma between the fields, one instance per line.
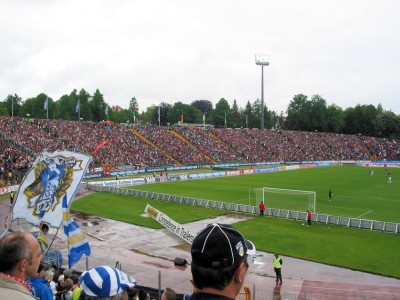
x=170, y=224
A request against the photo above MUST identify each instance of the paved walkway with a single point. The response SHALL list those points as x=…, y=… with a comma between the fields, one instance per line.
x=148, y=255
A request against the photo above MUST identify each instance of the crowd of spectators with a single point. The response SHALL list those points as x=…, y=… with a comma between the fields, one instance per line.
x=175, y=146
x=113, y=144
x=14, y=163
x=209, y=144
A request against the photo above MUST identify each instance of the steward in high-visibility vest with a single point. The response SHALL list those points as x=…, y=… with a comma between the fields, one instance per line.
x=278, y=268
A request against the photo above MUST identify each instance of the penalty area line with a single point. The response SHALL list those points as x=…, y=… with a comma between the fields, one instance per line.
x=365, y=213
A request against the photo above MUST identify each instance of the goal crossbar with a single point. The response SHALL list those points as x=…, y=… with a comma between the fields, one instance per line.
x=287, y=198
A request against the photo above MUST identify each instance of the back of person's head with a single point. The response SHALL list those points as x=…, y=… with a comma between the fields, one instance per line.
x=105, y=283
x=44, y=228
x=74, y=278
x=143, y=294
x=132, y=293
x=68, y=284
x=14, y=248
x=49, y=275
x=169, y=294
x=67, y=273
x=217, y=252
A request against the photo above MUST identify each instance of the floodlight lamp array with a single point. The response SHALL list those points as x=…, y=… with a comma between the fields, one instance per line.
x=262, y=60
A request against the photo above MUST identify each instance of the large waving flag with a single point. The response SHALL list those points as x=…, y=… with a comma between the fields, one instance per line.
x=53, y=177
x=76, y=240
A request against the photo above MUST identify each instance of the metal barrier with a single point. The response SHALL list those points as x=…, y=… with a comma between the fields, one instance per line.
x=253, y=210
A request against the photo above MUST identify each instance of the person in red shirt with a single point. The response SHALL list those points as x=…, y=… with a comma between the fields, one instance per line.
x=309, y=215
x=261, y=207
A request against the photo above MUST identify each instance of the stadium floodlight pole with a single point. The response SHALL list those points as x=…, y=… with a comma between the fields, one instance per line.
x=262, y=60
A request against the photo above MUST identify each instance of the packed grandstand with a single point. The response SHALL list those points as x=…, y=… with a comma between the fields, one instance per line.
x=113, y=144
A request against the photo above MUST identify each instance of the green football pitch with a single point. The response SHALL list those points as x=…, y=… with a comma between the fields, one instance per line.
x=356, y=194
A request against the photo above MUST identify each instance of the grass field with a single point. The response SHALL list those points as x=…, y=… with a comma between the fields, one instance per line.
x=356, y=194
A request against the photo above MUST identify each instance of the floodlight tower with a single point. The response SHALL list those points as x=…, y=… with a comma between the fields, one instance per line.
x=262, y=60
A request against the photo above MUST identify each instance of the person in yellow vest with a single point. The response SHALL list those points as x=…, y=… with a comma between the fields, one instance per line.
x=11, y=198
x=278, y=268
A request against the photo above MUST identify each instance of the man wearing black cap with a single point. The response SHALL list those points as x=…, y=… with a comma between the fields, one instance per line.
x=219, y=262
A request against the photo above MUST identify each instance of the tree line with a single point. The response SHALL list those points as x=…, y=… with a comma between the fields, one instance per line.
x=302, y=113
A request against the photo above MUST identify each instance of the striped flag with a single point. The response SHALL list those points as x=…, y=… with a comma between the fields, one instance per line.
x=77, y=244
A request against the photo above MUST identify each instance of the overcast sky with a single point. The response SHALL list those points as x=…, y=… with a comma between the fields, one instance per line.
x=346, y=51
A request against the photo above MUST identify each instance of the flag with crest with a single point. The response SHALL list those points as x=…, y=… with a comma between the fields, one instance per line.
x=53, y=177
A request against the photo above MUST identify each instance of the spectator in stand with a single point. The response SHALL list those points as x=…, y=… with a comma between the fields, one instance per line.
x=20, y=258
x=49, y=276
x=68, y=287
x=219, y=262
x=76, y=289
x=39, y=285
x=168, y=294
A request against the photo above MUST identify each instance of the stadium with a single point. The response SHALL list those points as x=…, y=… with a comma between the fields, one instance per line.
x=195, y=174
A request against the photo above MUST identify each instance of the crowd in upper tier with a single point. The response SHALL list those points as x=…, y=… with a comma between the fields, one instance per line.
x=114, y=144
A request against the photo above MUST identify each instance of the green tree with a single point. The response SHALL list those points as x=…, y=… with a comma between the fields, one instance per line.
x=133, y=105
x=298, y=113
x=191, y=114
x=222, y=110
x=236, y=116
x=317, y=114
x=360, y=119
x=13, y=104
x=335, y=119
x=387, y=125
x=97, y=106
x=249, y=117
x=165, y=109
x=205, y=106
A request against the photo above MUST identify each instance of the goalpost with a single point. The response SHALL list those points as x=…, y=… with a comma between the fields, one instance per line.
x=286, y=199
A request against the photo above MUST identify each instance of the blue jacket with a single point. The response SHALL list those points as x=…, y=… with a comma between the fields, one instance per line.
x=40, y=289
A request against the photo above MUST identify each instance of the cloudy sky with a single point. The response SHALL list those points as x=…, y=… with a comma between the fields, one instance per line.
x=347, y=51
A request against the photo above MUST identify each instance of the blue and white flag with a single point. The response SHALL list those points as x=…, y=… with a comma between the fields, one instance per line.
x=78, y=106
x=158, y=112
x=52, y=177
x=46, y=104
x=77, y=243
x=106, y=110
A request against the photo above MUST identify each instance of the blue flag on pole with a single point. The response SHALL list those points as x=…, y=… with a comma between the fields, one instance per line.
x=78, y=106
x=77, y=244
x=158, y=112
x=46, y=104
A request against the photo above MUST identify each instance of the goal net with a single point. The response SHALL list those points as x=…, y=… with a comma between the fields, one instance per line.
x=286, y=199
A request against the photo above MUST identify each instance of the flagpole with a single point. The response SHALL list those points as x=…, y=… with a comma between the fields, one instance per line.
x=48, y=248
